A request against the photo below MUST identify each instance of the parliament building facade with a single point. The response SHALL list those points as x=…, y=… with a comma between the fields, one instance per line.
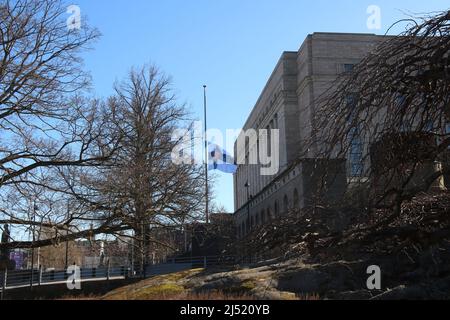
x=288, y=103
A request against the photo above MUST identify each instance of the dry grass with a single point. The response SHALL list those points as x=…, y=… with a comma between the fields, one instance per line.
x=172, y=287
x=80, y=297
x=159, y=294
x=165, y=287
x=309, y=297
x=205, y=296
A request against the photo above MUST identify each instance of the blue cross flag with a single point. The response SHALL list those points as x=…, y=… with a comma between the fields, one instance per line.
x=219, y=159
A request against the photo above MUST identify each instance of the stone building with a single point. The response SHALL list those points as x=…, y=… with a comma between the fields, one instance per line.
x=287, y=103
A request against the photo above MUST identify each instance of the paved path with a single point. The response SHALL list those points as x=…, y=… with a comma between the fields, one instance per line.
x=62, y=282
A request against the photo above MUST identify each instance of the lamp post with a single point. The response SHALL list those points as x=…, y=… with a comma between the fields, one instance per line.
x=66, y=264
x=206, y=156
x=32, y=246
x=247, y=186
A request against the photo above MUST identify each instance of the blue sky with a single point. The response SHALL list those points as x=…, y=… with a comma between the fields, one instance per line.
x=230, y=45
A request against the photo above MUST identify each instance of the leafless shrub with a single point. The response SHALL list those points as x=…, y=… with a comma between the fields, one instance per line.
x=395, y=104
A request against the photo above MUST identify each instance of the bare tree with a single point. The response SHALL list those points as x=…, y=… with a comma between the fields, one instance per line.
x=78, y=167
x=145, y=185
x=47, y=130
x=394, y=105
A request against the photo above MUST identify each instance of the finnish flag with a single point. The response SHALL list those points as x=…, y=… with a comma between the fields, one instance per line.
x=219, y=159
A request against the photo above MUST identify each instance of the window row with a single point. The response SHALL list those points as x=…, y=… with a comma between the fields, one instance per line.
x=272, y=212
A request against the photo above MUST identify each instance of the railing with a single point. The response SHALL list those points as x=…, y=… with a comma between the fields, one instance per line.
x=187, y=263
x=38, y=277
x=202, y=261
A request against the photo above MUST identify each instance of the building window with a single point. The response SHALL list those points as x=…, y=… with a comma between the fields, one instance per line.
x=257, y=145
x=401, y=103
x=400, y=100
x=446, y=134
x=276, y=209
x=429, y=126
x=356, y=153
x=348, y=67
x=285, y=204
x=296, y=199
x=263, y=218
x=247, y=149
x=351, y=101
x=447, y=128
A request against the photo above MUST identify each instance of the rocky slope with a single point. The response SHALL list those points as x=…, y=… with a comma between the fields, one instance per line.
x=412, y=250
x=289, y=280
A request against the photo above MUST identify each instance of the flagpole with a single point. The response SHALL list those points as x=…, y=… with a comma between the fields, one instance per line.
x=206, y=158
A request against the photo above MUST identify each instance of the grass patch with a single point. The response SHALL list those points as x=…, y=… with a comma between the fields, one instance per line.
x=240, y=289
x=248, y=285
x=160, y=292
x=157, y=288
x=175, y=286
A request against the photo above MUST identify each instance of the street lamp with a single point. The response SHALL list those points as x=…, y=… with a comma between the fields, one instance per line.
x=66, y=264
x=206, y=157
x=32, y=246
x=247, y=186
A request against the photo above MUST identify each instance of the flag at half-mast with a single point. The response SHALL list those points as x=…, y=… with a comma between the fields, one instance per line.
x=219, y=159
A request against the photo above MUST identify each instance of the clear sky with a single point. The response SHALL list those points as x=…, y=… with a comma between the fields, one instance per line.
x=230, y=45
